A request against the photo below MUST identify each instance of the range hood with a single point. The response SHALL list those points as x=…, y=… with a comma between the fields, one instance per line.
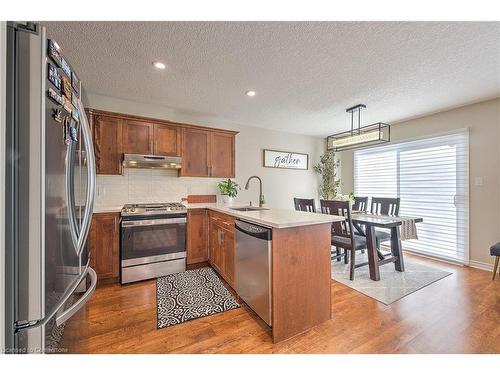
x=151, y=161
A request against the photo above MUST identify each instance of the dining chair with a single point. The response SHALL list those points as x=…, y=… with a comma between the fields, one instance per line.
x=303, y=204
x=495, y=251
x=360, y=204
x=384, y=206
x=343, y=236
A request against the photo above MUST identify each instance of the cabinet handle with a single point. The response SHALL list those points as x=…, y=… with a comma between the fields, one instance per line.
x=227, y=223
x=116, y=226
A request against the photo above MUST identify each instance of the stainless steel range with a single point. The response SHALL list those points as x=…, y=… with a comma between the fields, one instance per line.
x=153, y=240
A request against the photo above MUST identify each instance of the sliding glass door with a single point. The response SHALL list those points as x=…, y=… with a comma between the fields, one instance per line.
x=431, y=178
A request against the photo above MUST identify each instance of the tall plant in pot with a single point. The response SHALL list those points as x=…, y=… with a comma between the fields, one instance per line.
x=329, y=187
x=229, y=190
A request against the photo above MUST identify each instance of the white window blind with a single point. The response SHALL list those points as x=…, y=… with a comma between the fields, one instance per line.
x=432, y=179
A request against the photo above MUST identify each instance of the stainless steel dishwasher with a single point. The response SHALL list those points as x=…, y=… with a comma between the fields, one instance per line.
x=254, y=267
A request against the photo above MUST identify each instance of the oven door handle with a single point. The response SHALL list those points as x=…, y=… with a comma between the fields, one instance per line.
x=145, y=223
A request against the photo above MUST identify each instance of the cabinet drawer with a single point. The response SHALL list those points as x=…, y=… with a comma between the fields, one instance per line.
x=223, y=220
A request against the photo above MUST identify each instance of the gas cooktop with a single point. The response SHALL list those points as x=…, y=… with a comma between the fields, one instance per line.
x=156, y=209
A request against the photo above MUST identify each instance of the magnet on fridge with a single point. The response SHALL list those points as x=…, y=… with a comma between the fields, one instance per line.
x=67, y=105
x=65, y=67
x=55, y=52
x=75, y=114
x=54, y=76
x=75, y=82
x=66, y=87
x=56, y=98
x=73, y=131
x=57, y=115
x=66, y=136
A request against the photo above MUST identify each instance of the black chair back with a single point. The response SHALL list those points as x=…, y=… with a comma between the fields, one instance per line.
x=302, y=204
x=340, y=208
x=385, y=206
x=360, y=204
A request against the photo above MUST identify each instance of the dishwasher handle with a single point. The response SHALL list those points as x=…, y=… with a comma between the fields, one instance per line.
x=254, y=230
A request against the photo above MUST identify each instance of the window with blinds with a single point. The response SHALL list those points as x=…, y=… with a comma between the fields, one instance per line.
x=432, y=179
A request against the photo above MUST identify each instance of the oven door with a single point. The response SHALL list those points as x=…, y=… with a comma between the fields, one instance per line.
x=150, y=241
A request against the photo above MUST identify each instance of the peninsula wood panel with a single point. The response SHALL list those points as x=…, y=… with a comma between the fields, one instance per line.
x=222, y=155
x=104, y=245
x=301, y=279
x=197, y=236
x=137, y=137
x=167, y=140
x=107, y=135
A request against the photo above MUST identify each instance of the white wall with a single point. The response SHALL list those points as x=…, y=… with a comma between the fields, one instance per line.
x=279, y=185
x=483, y=121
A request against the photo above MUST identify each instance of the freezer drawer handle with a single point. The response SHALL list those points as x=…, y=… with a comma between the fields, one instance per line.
x=21, y=325
x=64, y=316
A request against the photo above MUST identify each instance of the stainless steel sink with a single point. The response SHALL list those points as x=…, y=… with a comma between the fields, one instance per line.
x=249, y=208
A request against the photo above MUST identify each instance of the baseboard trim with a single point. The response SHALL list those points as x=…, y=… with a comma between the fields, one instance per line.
x=481, y=265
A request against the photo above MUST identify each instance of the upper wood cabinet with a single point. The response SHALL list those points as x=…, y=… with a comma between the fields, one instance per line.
x=207, y=153
x=195, y=153
x=167, y=140
x=222, y=155
x=107, y=146
x=104, y=245
x=137, y=137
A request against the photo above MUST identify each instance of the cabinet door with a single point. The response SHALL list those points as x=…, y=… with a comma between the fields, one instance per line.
x=137, y=137
x=167, y=140
x=197, y=247
x=104, y=245
x=228, y=253
x=107, y=136
x=222, y=155
x=195, y=153
x=215, y=251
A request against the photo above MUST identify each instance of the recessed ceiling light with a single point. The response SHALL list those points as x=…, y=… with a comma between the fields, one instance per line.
x=250, y=93
x=159, y=65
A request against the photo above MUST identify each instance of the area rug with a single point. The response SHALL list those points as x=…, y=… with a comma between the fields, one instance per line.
x=393, y=285
x=190, y=295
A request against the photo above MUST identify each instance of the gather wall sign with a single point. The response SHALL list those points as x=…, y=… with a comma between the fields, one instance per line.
x=285, y=159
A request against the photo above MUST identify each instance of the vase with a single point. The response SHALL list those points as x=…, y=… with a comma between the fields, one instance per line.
x=227, y=199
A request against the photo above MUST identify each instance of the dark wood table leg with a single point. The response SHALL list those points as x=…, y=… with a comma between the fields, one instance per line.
x=371, y=245
x=396, y=249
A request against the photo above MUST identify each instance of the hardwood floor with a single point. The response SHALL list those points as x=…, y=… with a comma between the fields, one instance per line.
x=458, y=314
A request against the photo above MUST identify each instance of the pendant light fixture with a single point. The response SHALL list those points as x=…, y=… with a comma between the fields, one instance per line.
x=359, y=136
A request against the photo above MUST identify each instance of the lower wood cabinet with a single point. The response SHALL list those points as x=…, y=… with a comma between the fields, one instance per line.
x=104, y=246
x=197, y=236
x=222, y=246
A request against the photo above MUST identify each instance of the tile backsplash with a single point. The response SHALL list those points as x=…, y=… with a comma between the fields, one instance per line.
x=149, y=185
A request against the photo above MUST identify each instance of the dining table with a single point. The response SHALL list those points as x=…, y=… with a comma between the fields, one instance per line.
x=367, y=222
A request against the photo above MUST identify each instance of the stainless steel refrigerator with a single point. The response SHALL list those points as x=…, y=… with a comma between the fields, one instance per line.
x=50, y=188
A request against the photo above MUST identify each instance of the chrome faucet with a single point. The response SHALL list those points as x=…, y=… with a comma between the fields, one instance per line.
x=261, y=197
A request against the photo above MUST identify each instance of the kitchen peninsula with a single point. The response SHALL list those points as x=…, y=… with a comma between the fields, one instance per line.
x=300, y=258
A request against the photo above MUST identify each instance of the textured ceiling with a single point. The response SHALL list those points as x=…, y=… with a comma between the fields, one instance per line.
x=305, y=73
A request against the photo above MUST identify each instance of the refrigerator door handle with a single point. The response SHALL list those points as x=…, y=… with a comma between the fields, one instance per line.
x=66, y=314
x=70, y=193
x=91, y=173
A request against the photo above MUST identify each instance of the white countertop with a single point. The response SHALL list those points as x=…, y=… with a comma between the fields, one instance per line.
x=272, y=217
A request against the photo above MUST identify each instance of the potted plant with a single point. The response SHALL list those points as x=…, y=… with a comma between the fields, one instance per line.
x=228, y=190
x=327, y=167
